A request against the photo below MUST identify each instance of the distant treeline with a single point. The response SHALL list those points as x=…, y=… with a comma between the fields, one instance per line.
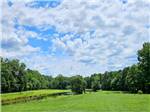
x=16, y=77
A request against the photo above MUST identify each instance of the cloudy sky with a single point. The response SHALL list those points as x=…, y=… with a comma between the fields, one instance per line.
x=74, y=36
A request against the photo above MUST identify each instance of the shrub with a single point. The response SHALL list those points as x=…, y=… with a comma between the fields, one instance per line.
x=140, y=92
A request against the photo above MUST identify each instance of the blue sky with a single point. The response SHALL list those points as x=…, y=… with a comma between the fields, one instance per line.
x=74, y=36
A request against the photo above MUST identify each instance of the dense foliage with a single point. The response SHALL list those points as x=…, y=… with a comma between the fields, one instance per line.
x=78, y=84
x=16, y=77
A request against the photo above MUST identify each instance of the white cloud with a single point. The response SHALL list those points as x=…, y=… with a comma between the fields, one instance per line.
x=19, y=52
x=109, y=32
x=67, y=66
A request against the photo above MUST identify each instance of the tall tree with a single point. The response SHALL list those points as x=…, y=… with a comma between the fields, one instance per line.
x=88, y=82
x=144, y=65
x=78, y=84
x=133, y=79
x=95, y=82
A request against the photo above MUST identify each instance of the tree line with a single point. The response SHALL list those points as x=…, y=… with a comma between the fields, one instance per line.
x=16, y=77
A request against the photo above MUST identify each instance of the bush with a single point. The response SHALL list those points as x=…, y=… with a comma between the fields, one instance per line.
x=140, y=92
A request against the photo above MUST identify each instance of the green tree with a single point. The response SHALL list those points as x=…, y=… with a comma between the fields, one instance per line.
x=78, y=84
x=13, y=75
x=95, y=84
x=62, y=82
x=115, y=78
x=144, y=66
x=133, y=79
x=88, y=82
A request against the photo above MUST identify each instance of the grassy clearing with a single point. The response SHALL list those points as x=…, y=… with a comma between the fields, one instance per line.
x=11, y=98
x=91, y=102
x=29, y=93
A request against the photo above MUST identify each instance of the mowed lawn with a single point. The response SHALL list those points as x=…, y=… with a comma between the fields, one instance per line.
x=101, y=101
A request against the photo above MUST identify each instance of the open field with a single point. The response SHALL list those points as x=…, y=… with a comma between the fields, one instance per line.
x=10, y=98
x=30, y=93
x=101, y=101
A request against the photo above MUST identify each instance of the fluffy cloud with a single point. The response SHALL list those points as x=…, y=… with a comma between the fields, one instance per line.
x=98, y=35
x=19, y=52
x=67, y=66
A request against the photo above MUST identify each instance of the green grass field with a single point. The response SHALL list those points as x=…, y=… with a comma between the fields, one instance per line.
x=90, y=102
x=30, y=93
